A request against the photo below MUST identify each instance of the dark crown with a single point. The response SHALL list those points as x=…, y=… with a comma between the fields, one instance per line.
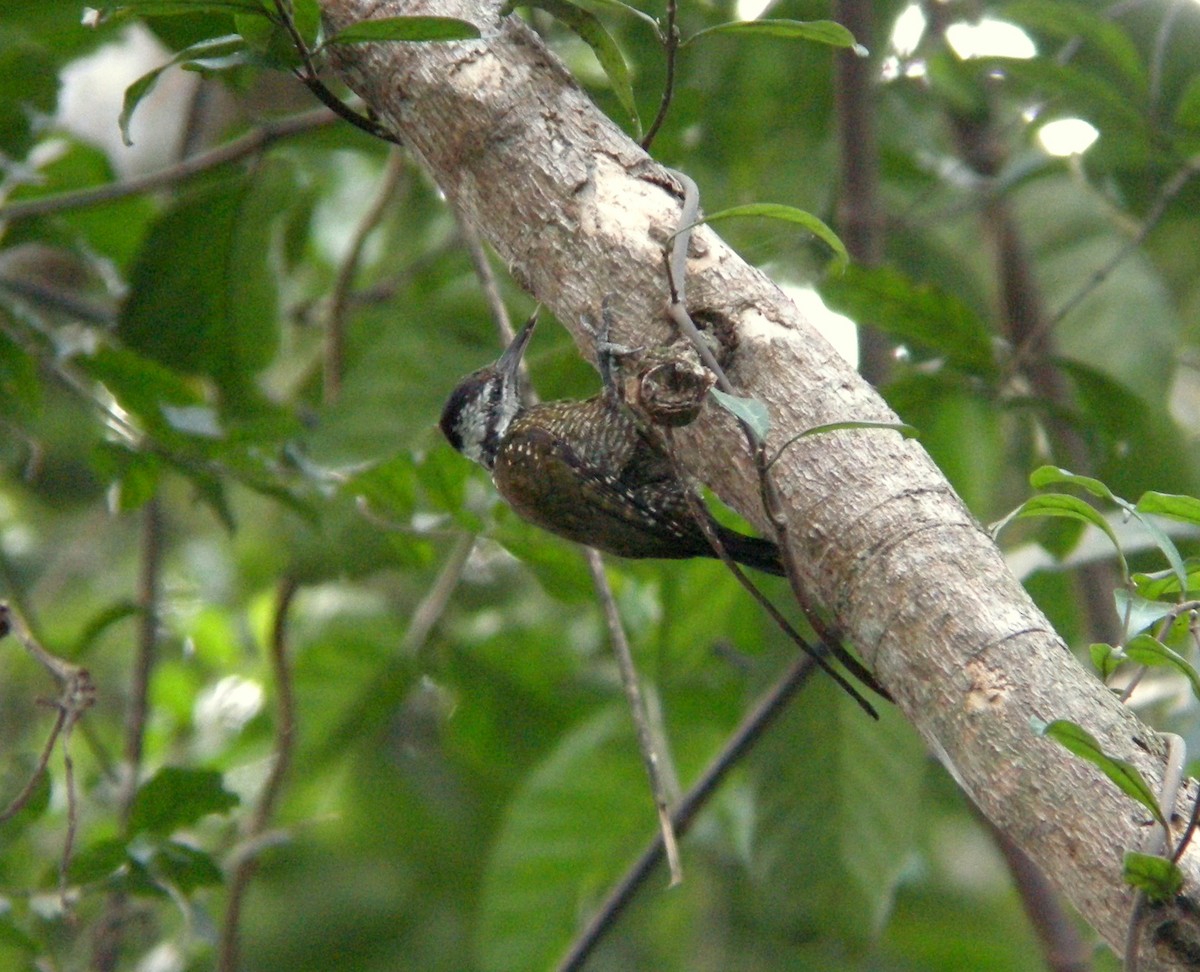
x=484, y=403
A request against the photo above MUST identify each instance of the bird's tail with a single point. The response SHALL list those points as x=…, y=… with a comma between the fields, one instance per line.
x=752, y=551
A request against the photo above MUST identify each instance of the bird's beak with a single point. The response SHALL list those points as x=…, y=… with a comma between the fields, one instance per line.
x=510, y=361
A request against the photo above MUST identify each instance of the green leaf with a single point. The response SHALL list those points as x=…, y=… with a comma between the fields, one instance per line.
x=169, y=8
x=749, y=410
x=573, y=823
x=133, y=476
x=140, y=385
x=20, y=390
x=558, y=566
x=838, y=805
x=1160, y=878
x=1140, y=612
x=821, y=31
x=1054, y=476
x=202, y=291
x=1124, y=774
x=16, y=776
x=1051, y=475
x=1105, y=658
x=388, y=487
x=1077, y=23
x=1145, y=649
x=97, y=861
x=1183, y=508
x=592, y=32
x=29, y=80
x=914, y=313
x=788, y=214
x=1187, y=109
x=908, y=431
x=1045, y=476
x=206, y=49
x=405, y=29
x=1156, y=585
x=1063, y=504
x=1139, y=441
x=177, y=797
x=184, y=867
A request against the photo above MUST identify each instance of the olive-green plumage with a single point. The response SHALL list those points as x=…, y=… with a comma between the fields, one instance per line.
x=583, y=470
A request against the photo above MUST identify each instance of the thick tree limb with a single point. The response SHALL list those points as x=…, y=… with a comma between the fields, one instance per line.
x=580, y=212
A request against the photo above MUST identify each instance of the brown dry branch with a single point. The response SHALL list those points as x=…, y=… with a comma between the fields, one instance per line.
x=578, y=210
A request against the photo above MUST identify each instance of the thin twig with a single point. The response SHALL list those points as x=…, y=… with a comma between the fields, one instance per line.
x=424, y=618
x=49, y=298
x=738, y=745
x=308, y=76
x=653, y=751
x=253, y=142
x=1173, y=187
x=1155, y=840
x=670, y=40
x=487, y=278
x=145, y=655
x=1063, y=948
x=772, y=505
x=335, y=325
x=637, y=708
x=77, y=693
x=701, y=517
x=433, y=605
x=260, y=818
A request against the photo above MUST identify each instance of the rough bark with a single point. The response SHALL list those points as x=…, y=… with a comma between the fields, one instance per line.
x=579, y=212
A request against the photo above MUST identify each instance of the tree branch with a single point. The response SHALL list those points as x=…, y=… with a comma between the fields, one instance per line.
x=578, y=212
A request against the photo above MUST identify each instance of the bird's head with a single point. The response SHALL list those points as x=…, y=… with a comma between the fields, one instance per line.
x=483, y=404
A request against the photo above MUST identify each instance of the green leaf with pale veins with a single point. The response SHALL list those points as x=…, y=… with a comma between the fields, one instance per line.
x=1084, y=745
x=1145, y=649
x=1072, y=507
x=593, y=33
x=205, y=50
x=749, y=410
x=406, y=29
x=788, y=214
x=821, y=31
x=1159, y=877
x=177, y=797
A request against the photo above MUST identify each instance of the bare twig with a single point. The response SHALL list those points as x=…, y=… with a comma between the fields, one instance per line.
x=1172, y=188
x=1154, y=842
x=651, y=748
x=1063, y=948
x=670, y=40
x=860, y=214
x=253, y=142
x=433, y=605
x=335, y=325
x=77, y=693
x=145, y=656
x=738, y=745
x=309, y=77
x=703, y=521
x=487, y=278
x=772, y=505
x=285, y=731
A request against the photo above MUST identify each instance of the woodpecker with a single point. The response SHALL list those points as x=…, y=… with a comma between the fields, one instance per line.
x=583, y=470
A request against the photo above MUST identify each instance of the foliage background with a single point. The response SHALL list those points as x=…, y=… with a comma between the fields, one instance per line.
x=190, y=481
